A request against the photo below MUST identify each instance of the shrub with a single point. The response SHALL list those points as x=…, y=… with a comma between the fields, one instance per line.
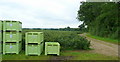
x=67, y=39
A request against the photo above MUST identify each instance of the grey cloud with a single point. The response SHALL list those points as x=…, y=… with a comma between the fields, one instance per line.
x=39, y=16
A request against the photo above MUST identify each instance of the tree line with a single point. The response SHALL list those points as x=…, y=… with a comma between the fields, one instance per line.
x=101, y=18
x=59, y=29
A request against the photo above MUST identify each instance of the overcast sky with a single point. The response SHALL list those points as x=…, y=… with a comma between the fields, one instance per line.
x=41, y=13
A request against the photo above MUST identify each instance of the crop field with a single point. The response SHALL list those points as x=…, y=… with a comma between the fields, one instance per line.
x=73, y=47
x=67, y=39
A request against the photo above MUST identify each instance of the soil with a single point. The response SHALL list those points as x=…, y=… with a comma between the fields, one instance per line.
x=102, y=47
x=60, y=58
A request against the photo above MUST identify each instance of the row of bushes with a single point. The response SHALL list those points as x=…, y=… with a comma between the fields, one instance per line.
x=67, y=39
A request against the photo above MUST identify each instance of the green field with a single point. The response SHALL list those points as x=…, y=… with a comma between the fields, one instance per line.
x=104, y=39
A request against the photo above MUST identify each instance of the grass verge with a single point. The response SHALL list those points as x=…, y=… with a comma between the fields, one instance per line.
x=22, y=56
x=82, y=55
x=76, y=55
x=114, y=41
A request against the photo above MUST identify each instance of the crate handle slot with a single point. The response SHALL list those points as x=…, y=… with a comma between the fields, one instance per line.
x=49, y=45
x=29, y=33
x=35, y=34
x=55, y=45
x=10, y=42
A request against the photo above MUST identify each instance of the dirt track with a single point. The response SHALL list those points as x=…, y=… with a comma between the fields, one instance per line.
x=102, y=47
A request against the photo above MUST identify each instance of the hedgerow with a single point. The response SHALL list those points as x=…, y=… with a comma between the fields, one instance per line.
x=67, y=39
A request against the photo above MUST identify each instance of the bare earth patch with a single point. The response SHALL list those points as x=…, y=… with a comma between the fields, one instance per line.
x=61, y=57
x=102, y=47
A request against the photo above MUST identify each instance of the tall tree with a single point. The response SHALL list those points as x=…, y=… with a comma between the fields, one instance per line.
x=101, y=18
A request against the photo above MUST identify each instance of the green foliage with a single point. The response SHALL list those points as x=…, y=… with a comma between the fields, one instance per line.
x=67, y=39
x=82, y=28
x=101, y=18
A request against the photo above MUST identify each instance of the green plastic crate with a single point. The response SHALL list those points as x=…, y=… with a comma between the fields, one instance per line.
x=0, y=30
x=34, y=37
x=12, y=47
x=52, y=48
x=1, y=47
x=12, y=36
x=0, y=36
x=12, y=25
x=0, y=41
x=32, y=49
x=1, y=25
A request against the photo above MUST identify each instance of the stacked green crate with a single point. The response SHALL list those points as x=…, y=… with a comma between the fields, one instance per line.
x=34, y=37
x=52, y=48
x=12, y=25
x=12, y=47
x=0, y=36
x=12, y=36
x=34, y=43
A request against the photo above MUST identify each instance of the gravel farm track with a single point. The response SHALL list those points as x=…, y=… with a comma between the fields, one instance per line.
x=103, y=47
x=98, y=46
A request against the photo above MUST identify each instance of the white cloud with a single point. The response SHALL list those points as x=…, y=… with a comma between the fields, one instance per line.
x=41, y=13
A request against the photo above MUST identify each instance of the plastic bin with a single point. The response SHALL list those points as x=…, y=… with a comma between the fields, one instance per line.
x=1, y=30
x=12, y=36
x=1, y=25
x=34, y=49
x=12, y=25
x=12, y=47
x=0, y=41
x=34, y=37
x=1, y=36
x=1, y=47
x=52, y=48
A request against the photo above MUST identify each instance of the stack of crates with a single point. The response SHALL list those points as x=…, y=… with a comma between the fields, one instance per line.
x=52, y=48
x=12, y=37
x=0, y=40
x=34, y=43
x=0, y=36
